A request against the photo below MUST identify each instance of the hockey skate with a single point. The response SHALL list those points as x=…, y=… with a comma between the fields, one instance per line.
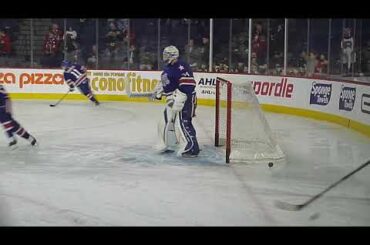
x=33, y=141
x=13, y=143
x=163, y=149
x=189, y=154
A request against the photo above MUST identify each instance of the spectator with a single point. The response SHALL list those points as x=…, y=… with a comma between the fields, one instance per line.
x=366, y=58
x=241, y=68
x=146, y=61
x=277, y=38
x=128, y=36
x=259, y=47
x=278, y=70
x=240, y=48
x=321, y=65
x=92, y=58
x=204, y=52
x=133, y=56
x=86, y=37
x=311, y=62
x=122, y=25
x=301, y=64
x=113, y=37
x=254, y=64
x=58, y=33
x=202, y=68
x=71, y=46
x=277, y=62
x=257, y=30
x=222, y=66
x=192, y=54
x=51, y=49
x=347, y=45
x=5, y=44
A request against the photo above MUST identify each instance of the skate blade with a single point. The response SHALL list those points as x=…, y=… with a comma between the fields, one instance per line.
x=189, y=156
x=165, y=151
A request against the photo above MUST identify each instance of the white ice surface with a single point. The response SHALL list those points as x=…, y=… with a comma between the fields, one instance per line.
x=97, y=166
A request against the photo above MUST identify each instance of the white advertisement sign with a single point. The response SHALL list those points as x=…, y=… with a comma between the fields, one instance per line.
x=346, y=99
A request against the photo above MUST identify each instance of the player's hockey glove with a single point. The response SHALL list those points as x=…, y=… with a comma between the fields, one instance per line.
x=179, y=100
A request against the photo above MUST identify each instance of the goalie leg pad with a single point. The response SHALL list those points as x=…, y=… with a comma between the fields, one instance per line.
x=186, y=130
x=166, y=131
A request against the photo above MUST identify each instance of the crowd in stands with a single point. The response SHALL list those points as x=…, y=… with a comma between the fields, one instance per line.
x=7, y=37
x=121, y=44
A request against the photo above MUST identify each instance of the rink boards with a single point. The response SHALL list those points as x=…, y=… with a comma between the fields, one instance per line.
x=343, y=102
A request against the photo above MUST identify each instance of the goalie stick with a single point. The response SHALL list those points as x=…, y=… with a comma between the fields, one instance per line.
x=297, y=207
x=131, y=94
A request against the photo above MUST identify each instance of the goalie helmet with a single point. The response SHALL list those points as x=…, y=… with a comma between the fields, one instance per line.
x=170, y=53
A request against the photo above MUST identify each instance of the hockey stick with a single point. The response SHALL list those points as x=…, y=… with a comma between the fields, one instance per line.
x=133, y=95
x=60, y=100
x=297, y=207
x=138, y=95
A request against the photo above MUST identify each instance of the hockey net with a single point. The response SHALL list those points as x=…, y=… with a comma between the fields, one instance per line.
x=240, y=125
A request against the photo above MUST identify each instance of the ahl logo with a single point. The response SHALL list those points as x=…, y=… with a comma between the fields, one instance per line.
x=365, y=103
x=207, y=82
x=347, y=98
x=320, y=93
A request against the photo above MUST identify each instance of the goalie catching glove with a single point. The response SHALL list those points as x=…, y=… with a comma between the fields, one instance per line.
x=179, y=100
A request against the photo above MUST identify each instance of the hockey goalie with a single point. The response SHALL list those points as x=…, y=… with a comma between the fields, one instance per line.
x=176, y=130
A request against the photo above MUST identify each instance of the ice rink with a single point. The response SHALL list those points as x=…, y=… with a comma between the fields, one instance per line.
x=97, y=166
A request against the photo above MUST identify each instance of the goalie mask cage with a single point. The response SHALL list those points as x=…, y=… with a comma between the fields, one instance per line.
x=240, y=125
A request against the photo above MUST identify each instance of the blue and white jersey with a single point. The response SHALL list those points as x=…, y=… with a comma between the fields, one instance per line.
x=3, y=97
x=178, y=76
x=75, y=75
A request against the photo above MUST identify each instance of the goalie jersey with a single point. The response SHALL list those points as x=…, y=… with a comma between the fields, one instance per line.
x=178, y=76
x=75, y=75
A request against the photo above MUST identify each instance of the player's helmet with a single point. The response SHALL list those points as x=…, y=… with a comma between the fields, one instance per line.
x=65, y=64
x=170, y=53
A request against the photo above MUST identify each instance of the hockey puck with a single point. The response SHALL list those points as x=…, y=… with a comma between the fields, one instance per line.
x=270, y=164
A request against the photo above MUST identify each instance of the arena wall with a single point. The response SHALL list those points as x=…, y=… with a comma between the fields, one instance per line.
x=343, y=102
